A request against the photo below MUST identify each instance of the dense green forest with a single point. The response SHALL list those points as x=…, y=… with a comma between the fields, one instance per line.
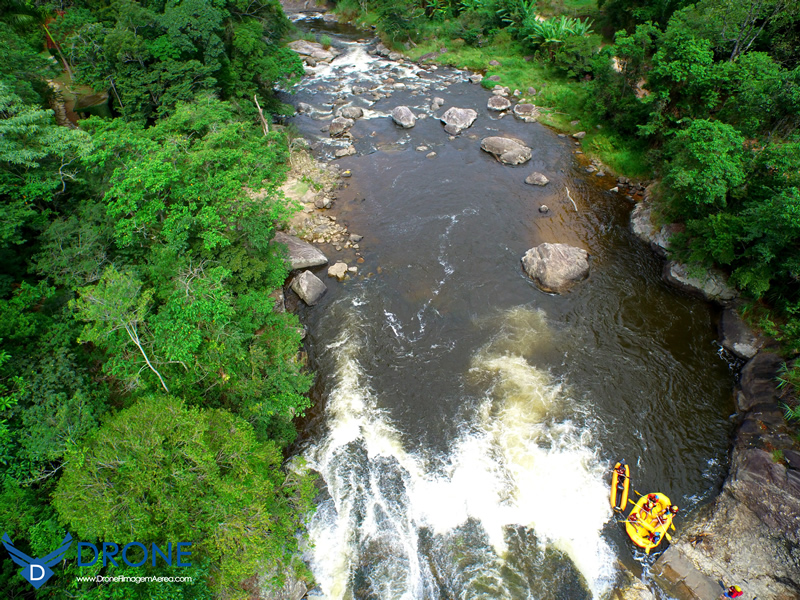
x=703, y=97
x=147, y=381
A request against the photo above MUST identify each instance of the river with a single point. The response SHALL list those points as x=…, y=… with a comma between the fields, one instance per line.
x=465, y=422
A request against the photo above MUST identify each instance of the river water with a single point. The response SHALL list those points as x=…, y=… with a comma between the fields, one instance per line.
x=465, y=421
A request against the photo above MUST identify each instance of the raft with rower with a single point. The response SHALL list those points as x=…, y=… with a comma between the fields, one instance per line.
x=650, y=519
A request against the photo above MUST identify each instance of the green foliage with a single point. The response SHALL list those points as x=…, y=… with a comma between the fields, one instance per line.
x=707, y=164
x=38, y=161
x=155, y=55
x=163, y=472
x=551, y=33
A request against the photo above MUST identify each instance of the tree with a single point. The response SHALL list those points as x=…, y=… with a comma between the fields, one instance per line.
x=115, y=309
x=706, y=164
x=38, y=160
x=162, y=472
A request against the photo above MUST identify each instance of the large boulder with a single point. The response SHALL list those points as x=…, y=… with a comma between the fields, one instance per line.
x=737, y=337
x=302, y=255
x=351, y=112
x=457, y=120
x=507, y=150
x=340, y=126
x=711, y=284
x=309, y=287
x=642, y=227
x=556, y=267
x=313, y=50
x=403, y=116
x=498, y=103
x=526, y=112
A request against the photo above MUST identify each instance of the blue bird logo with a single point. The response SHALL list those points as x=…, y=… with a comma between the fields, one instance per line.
x=36, y=571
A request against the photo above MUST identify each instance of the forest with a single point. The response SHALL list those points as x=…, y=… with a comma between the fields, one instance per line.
x=148, y=383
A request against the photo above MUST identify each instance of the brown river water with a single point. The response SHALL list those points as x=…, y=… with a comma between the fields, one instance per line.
x=465, y=422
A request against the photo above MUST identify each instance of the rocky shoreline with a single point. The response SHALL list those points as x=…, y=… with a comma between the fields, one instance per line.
x=750, y=534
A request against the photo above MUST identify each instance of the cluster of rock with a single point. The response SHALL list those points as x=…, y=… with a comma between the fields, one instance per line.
x=314, y=53
x=751, y=533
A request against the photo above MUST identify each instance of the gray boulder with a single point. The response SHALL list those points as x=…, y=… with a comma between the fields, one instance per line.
x=498, y=103
x=314, y=50
x=351, y=112
x=580, y=135
x=476, y=78
x=457, y=120
x=507, y=150
x=340, y=126
x=536, y=178
x=403, y=116
x=309, y=287
x=526, y=112
x=643, y=228
x=302, y=255
x=556, y=267
x=737, y=337
x=711, y=284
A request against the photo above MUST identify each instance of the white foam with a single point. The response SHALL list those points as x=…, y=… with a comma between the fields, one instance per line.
x=520, y=463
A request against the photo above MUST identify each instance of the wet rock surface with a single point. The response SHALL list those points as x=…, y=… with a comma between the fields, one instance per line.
x=556, y=268
x=507, y=150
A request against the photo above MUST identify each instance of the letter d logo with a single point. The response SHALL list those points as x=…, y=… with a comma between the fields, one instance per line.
x=33, y=578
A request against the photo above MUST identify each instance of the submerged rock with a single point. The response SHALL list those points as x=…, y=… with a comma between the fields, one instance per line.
x=507, y=150
x=556, y=268
x=403, y=116
x=309, y=287
x=457, y=120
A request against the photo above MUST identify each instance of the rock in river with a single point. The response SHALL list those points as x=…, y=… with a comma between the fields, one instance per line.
x=498, y=103
x=506, y=150
x=556, y=267
x=309, y=287
x=403, y=116
x=340, y=126
x=526, y=112
x=536, y=178
x=302, y=255
x=351, y=112
x=457, y=120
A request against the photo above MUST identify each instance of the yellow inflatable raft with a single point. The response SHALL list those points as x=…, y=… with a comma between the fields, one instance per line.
x=644, y=527
x=619, y=489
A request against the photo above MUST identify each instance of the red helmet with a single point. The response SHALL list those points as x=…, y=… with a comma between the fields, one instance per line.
x=652, y=498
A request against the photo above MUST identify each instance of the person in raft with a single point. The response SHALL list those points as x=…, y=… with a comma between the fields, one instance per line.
x=662, y=518
x=620, y=470
x=654, y=537
x=647, y=508
x=733, y=592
